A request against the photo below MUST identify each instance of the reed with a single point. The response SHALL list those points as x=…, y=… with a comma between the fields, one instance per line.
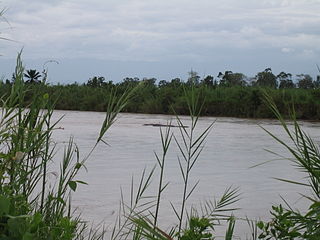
x=31, y=206
x=140, y=220
x=287, y=222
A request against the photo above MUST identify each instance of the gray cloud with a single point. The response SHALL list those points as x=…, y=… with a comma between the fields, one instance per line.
x=155, y=31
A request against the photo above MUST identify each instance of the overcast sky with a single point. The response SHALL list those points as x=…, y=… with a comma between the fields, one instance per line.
x=162, y=39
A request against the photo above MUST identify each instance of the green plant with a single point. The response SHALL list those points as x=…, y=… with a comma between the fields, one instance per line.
x=141, y=218
x=30, y=206
x=25, y=152
x=282, y=226
x=197, y=229
x=190, y=148
x=166, y=138
x=288, y=223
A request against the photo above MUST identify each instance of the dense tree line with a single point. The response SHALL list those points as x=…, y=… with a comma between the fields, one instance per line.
x=229, y=94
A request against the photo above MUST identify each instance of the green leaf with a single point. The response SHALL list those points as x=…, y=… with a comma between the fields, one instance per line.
x=36, y=221
x=17, y=227
x=260, y=225
x=82, y=182
x=46, y=96
x=4, y=205
x=78, y=166
x=28, y=236
x=72, y=185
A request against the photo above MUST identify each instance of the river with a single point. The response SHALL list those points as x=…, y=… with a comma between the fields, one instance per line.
x=231, y=150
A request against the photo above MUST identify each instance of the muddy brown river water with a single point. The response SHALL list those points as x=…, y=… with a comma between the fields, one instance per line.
x=231, y=149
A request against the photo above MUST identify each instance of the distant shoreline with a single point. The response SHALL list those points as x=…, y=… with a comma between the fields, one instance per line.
x=235, y=102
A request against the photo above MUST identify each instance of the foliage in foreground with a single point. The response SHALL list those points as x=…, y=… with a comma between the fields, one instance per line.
x=288, y=223
x=31, y=205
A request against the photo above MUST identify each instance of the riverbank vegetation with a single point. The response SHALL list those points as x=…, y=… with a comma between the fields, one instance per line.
x=228, y=95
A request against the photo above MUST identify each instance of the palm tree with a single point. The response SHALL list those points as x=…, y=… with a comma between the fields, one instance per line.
x=32, y=76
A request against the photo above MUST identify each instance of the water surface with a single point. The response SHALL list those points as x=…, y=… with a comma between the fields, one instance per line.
x=231, y=149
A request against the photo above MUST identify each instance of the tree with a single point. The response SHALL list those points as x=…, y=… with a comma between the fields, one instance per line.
x=317, y=82
x=285, y=80
x=32, y=76
x=96, y=82
x=266, y=79
x=176, y=82
x=229, y=79
x=305, y=81
x=162, y=83
x=130, y=81
x=207, y=81
x=150, y=82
